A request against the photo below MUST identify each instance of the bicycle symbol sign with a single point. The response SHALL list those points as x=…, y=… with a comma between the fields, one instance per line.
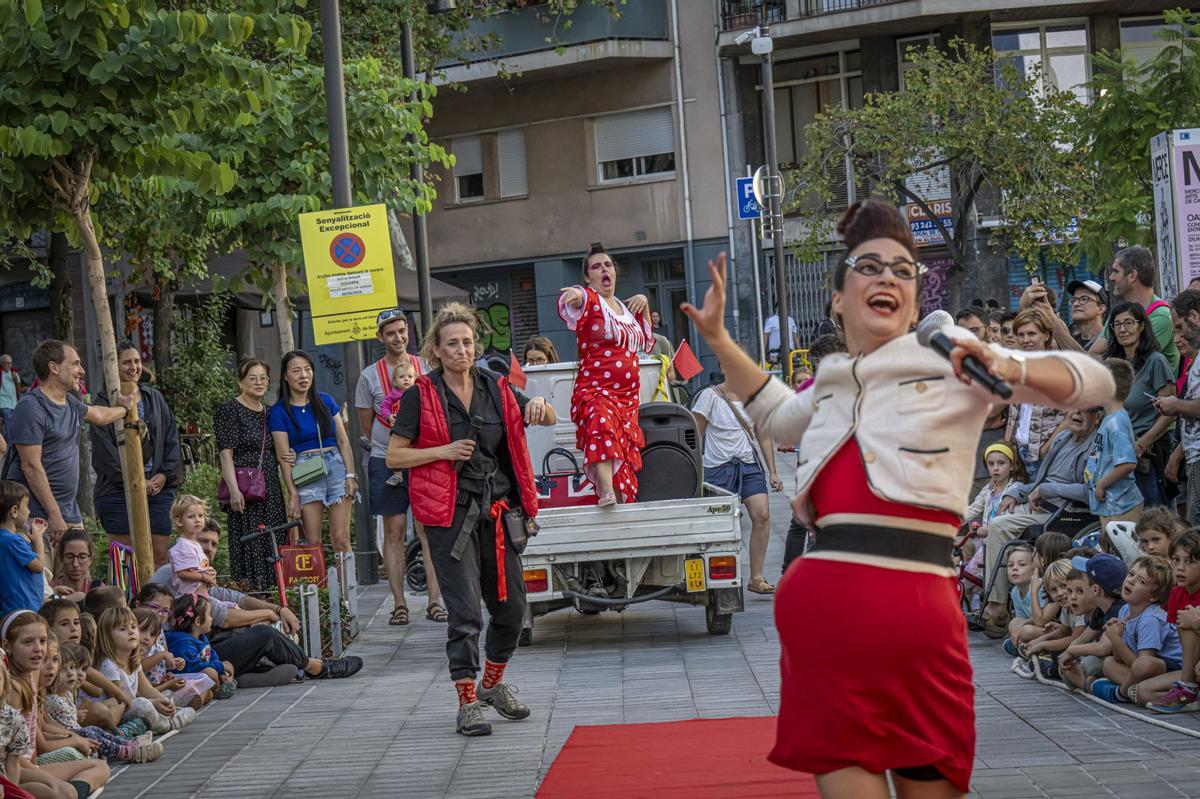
x=347, y=250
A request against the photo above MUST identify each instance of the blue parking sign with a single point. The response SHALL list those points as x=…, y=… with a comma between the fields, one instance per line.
x=748, y=207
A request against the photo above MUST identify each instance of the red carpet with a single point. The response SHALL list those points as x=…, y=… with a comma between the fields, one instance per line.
x=695, y=759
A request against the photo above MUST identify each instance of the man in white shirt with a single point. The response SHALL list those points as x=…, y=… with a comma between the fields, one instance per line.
x=732, y=462
x=771, y=335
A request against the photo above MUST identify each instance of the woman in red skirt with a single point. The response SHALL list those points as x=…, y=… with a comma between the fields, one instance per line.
x=612, y=335
x=875, y=673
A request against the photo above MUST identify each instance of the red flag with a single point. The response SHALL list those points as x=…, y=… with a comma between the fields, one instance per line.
x=516, y=375
x=686, y=365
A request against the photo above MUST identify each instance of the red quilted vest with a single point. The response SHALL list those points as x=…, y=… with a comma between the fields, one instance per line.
x=432, y=487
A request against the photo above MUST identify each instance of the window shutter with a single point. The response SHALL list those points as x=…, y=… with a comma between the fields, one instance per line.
x=468, y=156
x=638, y=133
x=510, y=144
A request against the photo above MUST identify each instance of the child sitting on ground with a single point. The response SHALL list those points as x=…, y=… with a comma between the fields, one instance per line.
x=1058, y=633
x=63, y=681
x=118, y=659
x=1093, y=589
x=1113, y=494
x=159, y=664
x=191, y=573
x=54, y=742
x=14, y=741
x=1043, y=607
x=1183, y=609
x=191, y=617
x=22, y=559
x=1157, y=527
x=1144, y=644
x=1020, y=576
x=403, y=377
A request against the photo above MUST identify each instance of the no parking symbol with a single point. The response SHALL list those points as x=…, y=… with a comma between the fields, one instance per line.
x=347, y=250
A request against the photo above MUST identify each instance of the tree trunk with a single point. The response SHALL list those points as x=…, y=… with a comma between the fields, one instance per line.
x=164, y=314
x=62, y=312
x=283, y=309
x=132, y=463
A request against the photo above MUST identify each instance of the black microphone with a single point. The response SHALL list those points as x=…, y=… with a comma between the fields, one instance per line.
x=929, y=334
x=476, y=427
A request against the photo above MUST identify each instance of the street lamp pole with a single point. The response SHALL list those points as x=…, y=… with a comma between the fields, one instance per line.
x=417, y=174
x=773, y=189
x=339, y=170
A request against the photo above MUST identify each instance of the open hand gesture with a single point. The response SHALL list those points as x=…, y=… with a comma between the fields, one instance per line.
x=710, y=317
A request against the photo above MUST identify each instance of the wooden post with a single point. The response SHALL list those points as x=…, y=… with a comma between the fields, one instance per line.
x=135, y=493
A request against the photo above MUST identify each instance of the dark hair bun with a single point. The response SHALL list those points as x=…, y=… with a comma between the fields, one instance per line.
x=875, y=219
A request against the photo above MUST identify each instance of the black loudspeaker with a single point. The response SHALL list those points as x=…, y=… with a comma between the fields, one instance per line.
x=672, y=463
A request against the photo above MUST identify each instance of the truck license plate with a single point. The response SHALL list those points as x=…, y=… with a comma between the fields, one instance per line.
x=693, y=570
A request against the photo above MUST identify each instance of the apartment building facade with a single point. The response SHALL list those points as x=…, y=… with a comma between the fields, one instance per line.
x=833, y=52
x=612, y=135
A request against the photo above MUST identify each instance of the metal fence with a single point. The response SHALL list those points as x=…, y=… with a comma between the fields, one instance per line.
x=809, y=284
x=747, y=13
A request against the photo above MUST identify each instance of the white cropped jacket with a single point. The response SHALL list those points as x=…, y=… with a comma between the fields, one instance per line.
x=916, y=425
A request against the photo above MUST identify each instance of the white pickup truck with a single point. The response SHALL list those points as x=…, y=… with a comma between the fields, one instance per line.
x=595, y=559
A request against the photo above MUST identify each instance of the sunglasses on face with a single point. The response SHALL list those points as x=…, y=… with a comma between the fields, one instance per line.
x=872, y=265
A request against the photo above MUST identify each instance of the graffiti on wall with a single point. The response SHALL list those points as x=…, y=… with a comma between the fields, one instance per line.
x=495, y=327
x=935, y=289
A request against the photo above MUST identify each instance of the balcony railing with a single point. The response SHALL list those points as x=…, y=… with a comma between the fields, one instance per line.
x=531, y=30
x=747, y=13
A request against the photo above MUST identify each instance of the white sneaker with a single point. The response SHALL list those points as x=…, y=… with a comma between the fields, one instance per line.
x=183, y=717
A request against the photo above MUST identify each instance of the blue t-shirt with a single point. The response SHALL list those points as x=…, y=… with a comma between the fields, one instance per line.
x=301, y=425
x=20, y=589
x=1113, y=446
x=1023, y=603
x=1151, y=630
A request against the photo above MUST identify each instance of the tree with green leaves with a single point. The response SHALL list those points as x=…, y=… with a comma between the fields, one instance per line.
x=1131, y=104
x=966, y=110
x=99, y=93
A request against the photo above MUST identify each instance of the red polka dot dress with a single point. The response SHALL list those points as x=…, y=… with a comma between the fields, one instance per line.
x=604, y=404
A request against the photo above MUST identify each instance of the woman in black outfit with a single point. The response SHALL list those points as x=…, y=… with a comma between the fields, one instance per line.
x=244, y=441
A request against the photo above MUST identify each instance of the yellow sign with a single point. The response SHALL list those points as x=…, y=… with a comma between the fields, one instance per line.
x=348, y=263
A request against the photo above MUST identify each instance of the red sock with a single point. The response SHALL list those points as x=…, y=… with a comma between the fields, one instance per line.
x=466, y=692
x=492, y=673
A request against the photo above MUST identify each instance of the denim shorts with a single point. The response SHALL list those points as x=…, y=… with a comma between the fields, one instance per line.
x=738, y=477
x=330, y=489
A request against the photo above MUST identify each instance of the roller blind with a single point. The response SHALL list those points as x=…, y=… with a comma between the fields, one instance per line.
x=510, y=145
x=467, y=154
x=634, y=134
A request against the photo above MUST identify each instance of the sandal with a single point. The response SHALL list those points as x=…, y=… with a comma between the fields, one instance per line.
x=759, y=585
x=435, y=612
x=607, y=500
x=399, y=616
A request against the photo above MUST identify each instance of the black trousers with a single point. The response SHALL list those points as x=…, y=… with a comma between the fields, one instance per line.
x=793, y=546
x=473, y=578
x=244, y=647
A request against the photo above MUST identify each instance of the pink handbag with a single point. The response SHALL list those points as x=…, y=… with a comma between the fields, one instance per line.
x=250, y=481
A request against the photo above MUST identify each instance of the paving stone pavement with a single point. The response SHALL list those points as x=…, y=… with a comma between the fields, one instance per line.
x=389, y=731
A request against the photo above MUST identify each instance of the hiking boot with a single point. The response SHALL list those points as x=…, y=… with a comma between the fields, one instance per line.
x=1180, y=699
x=470, y=721
x=503, y=697
x=338, y=668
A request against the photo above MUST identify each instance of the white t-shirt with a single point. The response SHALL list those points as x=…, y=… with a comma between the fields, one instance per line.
x=119, y=676
x=724, y=438
x=771, y=328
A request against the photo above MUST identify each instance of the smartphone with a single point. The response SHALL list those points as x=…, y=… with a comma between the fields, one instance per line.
x=1035, y=280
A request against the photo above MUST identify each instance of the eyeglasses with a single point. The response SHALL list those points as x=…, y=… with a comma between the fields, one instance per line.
x=871, y=265
x=1083, y=299
x=157, y=608
x=1125, y=324
x=257, y=379
x=81, y=558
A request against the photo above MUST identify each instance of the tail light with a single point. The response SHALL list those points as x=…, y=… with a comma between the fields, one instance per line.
x=537, y=581
x=723, y=567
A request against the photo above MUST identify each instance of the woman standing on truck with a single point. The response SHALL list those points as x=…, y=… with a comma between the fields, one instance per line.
x=604, y=404
x=887, y=440
x=461, y=431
